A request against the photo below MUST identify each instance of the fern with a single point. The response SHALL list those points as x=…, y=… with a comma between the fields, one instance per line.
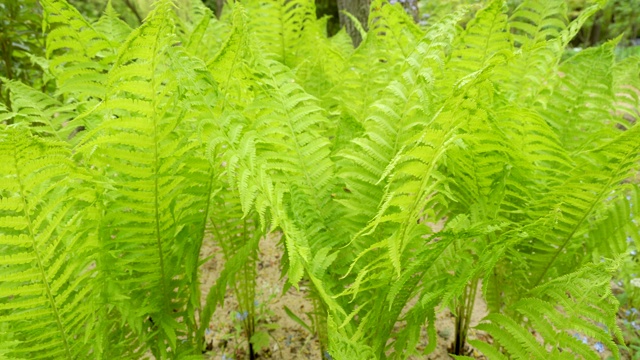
x=486, y=36
x=541, y=32
x=625, y=83
x=589, y=104
x=112, y=27
x=404, y=176
x=79, y=54
x=570, y=212
x=138, y=145
x=556, y=311
x=47, y=244
x=42, y=113
x=395, y=119
x=279, y=25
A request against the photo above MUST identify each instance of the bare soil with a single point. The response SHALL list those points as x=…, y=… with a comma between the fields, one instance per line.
x=289, y=340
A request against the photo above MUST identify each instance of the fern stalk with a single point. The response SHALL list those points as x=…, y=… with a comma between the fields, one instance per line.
x=464, y=310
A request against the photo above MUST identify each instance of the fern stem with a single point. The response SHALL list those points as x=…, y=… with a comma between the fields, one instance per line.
x=464, y=311
x=200, y=340
x=283, y=31
x=247, y=293
x=320, y=320
x=470, y=305
x=156, y=170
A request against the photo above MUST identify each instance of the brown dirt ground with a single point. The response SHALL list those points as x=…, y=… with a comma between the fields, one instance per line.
x=290, y=340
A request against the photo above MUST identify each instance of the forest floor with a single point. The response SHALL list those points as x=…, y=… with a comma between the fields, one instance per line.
x=288, y=339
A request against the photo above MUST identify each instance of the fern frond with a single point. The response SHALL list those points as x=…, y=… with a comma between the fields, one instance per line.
x=415, y=175
x=279, y=24
x=230, y=64
x=234, y=265
x=537, y=32
x=110, y=25
x=485, y=36
x=79, y=56
x=571, y=206
x=579, y=302
x=344, y=348
x=534, y=23
x=581, y=106
x=317, y=61
x=197, y=34
x=402, y=111
x=154, y=176
x=295, y=154
x=626, y=87
x=614, y=227
x=414, y=193
x=289, y=123
x=370, y=68
x=43, y=114
x=47, y=246
x=392, y=28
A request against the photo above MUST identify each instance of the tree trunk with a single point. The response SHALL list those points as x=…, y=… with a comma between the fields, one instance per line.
x=219, y=5
x=329, y=8
x=411, y=7
x=360, y=9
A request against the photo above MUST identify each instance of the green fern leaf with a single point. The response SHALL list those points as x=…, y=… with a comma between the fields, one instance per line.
x=43, y=114
x=578, y=302
x=47, y=245
x=79, y=55
x=485, y=37
x=110, y=25
x=155, y=175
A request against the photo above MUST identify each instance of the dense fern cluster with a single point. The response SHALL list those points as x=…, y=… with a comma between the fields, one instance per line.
x=405, y=175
